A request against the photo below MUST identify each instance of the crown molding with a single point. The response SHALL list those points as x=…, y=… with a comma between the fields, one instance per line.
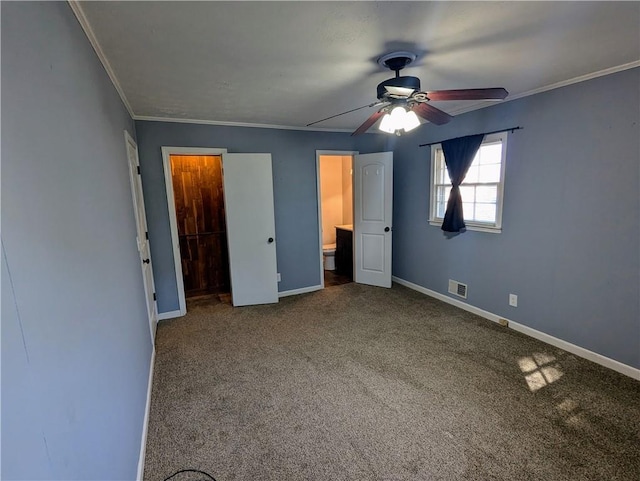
x=557, y=85
x=84, y=23
x=236, y=124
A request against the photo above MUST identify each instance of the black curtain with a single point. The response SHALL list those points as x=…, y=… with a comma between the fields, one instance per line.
x=458, y=155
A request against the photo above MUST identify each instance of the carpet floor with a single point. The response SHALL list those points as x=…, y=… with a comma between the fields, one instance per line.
x=361, y=383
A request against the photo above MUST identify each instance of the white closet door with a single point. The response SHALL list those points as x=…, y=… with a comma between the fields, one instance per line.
x=142, y=236
x=248, y=198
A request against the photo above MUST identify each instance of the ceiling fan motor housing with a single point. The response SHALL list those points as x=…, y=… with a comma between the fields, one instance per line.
x=400, y=83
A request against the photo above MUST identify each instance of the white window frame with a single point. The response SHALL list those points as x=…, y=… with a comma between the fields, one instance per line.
x=494, y=228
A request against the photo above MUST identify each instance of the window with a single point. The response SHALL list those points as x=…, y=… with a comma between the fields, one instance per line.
x=481, y=189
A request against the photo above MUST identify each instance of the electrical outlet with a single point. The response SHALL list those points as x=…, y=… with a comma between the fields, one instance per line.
x=279, y=278
x=513, y=300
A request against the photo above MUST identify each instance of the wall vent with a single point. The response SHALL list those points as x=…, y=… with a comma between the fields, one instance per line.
x=457, y=288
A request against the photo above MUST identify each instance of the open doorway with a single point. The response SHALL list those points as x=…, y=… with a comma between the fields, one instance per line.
x=219, y=204
x=363, y=234
x=335, y=212
x=200, y=218
x=197, y=216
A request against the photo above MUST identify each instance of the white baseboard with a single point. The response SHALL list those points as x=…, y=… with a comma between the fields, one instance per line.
x=145, y=426
x=170, y=315
x=302, y=290
x=541, y=336
x=293, y=292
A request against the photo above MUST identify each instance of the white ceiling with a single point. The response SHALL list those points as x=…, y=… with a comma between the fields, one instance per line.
x=292, y=63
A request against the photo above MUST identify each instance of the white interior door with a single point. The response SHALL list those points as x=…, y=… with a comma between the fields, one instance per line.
x=142, y=234
x=248, y=199
x=372, y=222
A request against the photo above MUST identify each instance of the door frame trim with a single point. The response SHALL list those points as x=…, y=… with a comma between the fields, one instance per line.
x=167, y=152
x=319, y=199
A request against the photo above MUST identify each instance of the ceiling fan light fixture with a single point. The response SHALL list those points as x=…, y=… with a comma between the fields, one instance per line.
x=411, y=121
x=385, y=124
x=399, y=119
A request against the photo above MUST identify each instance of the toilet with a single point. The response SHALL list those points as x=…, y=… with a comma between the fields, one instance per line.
x=329, y=254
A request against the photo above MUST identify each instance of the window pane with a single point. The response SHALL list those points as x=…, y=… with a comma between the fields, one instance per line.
x=439, y=159
x=472, y=175
x=467, y=193
x=485, y=212
x=489, y=173
x=491, y=154
x=442, y=194
x=443, y=176
x=441, y=207
x=467, y=209
x=487, y=193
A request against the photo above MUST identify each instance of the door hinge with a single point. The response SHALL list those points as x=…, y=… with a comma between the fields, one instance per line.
x=146, y=235
x=154, y=296
x=138, y=169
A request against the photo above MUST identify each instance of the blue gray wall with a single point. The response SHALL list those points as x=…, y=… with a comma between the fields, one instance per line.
x=76, y=345
x=294, y=183
x=570, y=241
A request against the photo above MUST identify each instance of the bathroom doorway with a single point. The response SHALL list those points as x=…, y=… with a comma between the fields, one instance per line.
x=335, y=214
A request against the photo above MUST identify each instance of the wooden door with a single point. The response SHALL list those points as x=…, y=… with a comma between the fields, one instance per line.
x=373, y=209
x=200, y=214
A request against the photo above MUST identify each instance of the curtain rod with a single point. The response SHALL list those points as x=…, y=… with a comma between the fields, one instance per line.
x=511, y=129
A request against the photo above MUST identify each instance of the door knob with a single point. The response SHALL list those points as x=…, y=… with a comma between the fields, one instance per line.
x=146, y=261
x=386, y=229
x=270, y=240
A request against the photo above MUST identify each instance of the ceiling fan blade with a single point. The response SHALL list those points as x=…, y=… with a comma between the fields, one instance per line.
x=374, y=104
x=368, y=123
x=468, y=94
x=432, y=114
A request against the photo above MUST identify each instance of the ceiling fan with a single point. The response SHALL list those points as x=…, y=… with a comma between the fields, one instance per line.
x=402, y=102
